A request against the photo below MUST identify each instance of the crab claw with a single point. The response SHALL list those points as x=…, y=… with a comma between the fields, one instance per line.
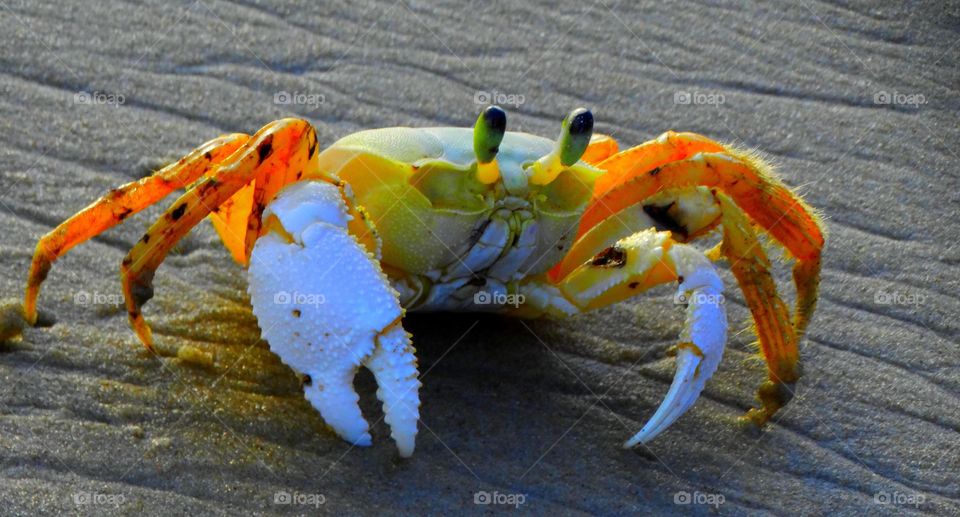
x=699, y=351
x=326, y=308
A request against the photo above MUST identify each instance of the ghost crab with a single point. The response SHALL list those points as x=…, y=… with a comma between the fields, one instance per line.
x=340, y=243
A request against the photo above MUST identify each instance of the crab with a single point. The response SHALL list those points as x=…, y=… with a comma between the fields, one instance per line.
x=339, y=244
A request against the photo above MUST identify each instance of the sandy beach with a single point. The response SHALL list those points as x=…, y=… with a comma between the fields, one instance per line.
x=856, y=104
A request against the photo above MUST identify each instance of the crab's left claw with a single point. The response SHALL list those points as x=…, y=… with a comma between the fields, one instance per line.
x=326, y=308
x=698, y=354
x=642, y=261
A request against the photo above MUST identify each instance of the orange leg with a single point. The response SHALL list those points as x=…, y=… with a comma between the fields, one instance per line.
x=266, y=160
x=777, y=335
x=745, y=187
x=600, y=148
x=120, y=203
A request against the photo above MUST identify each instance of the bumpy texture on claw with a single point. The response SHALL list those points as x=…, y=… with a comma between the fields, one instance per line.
x=326, y=308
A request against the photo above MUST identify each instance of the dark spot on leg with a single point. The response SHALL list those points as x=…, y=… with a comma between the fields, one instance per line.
x=634, y=285
x=313, y=143
x=296, y=313
x=142, y=290
x=207, y=155
x=43, y=270
x=178, y=212
x=680, y=279
x=654, y=172
x=124, y=213
x=613, y=256
x=145, y=239
x=264, y=149
x=664, y=221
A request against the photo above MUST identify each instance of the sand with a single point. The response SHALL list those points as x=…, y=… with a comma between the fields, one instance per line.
x=95, y=94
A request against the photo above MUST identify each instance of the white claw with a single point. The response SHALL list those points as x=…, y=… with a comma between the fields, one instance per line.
x=333, y=395
x=701, y=343
x=395, y=367
x=326, y=308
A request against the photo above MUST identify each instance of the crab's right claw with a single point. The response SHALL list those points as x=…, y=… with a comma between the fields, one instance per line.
x=641, y=261
x=326, y=308
x=698, y=354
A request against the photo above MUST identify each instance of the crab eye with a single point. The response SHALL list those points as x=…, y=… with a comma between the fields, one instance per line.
x=575, y=134
x=488, y=133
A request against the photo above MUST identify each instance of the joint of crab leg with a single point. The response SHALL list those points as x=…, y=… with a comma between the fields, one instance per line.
x=576, y=130
x=487, y=134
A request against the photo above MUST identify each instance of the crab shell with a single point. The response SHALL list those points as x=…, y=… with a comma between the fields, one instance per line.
x=421, y=188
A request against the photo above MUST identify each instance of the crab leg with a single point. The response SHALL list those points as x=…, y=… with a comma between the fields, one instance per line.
x=280, y=146
x=747, y=184
x=632, y=265
x=326, y=307
x=113, y=208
